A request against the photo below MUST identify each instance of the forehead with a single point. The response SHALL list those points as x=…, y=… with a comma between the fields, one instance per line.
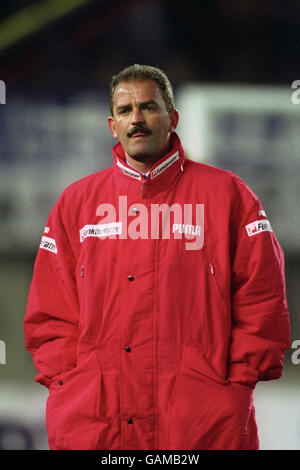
x=137, y=91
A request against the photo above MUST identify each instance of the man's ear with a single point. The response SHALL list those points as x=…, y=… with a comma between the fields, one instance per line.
x=174, y=118
x=112, y=126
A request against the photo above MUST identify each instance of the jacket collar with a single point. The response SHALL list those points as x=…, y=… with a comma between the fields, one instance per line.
x=163, y=174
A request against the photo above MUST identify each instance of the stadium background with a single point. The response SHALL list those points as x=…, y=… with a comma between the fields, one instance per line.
x=232, y=65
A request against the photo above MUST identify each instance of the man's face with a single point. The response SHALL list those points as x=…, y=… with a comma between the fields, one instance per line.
x=141, y=121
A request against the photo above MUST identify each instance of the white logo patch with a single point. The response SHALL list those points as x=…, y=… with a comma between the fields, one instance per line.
x=257, y=227
x=100, y=230
x=48, y=244
x=128, y=171
x=164, y=165
x=262, y=213
x=187, y=229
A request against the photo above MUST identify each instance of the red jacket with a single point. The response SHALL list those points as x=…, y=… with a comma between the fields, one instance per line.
x=152, y=333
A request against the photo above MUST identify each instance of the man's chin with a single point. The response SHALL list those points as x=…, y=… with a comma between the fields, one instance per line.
x=138, y=154
x=139, y=157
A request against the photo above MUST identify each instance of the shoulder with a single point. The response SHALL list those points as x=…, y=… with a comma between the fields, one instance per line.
x=87, y=182
x=82, y=189
x=224, y=180
x=204, y=170
x=74, y=198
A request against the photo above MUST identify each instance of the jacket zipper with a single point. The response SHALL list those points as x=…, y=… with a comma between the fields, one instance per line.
x=143, y=182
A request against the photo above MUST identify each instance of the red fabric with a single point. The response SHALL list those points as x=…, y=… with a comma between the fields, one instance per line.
x=203, y=326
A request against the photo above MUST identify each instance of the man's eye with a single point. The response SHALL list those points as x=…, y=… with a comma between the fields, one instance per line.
x=123, y=111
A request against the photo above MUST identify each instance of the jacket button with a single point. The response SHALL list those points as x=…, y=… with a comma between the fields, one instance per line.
x=60, y=382
x=130, y=421
x=130, y=277
x=127, y=349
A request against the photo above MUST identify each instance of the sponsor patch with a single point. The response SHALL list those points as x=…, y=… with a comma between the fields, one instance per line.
x=47, y=230
x=187, y=229
x=128, y=171
x=48, y=244
x=257, y=227
x=100, y=230
x=164, y=165
x=262, y=213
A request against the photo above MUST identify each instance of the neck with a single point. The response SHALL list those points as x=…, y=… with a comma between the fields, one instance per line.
x=144, y=164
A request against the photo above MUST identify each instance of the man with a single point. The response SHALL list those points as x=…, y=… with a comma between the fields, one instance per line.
x=158, y=296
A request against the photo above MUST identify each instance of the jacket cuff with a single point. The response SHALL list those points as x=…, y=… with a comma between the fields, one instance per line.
x=243, y=374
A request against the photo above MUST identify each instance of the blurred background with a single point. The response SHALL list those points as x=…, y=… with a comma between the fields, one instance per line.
x=234, y=67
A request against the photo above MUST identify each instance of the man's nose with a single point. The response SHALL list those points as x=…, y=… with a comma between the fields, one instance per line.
x=137, y=116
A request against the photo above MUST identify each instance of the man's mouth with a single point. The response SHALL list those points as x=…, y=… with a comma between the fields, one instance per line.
x=139, y=134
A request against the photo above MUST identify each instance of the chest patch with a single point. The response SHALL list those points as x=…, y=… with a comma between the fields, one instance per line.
x=100, y=230
x=258, y=226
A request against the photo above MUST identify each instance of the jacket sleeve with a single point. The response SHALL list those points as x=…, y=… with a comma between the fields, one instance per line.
x=260, y=318
x=51, y=320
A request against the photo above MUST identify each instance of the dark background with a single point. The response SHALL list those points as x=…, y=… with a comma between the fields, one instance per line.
x=245, y=41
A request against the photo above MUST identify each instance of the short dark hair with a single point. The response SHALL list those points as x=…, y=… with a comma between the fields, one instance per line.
x=144, y=72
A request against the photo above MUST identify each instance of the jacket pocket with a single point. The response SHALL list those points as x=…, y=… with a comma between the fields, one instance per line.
x=80, y=280
x=217, y=284
x=72, y=407
x=208, y=412
x=80, y=275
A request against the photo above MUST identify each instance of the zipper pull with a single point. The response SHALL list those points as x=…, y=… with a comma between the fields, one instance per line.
x=212, y=269
x=81, y=271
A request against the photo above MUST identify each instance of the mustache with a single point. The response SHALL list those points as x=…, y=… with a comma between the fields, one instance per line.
x=137, y=129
